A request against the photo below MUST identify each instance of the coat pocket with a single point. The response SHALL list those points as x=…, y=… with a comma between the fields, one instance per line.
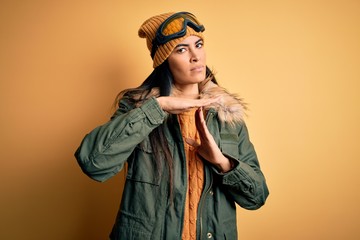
x=131, y=228
x=141, y=165
x=230, y=230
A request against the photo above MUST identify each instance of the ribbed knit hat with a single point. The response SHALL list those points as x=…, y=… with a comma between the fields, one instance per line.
x=148, y=30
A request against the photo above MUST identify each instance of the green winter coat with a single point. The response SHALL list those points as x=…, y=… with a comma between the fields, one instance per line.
x=146, y=212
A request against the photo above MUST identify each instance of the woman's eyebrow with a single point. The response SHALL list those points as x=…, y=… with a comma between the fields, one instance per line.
x=200, y=40
x=182, y=45
x=187, y=44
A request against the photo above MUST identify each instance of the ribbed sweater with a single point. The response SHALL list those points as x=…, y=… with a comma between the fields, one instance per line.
x=195, y=170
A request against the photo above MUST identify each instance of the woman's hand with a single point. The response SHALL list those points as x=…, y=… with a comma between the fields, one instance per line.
x=176, y=105
x=208, y=148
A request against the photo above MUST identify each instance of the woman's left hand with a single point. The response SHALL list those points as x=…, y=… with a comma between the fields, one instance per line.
x=208, y=148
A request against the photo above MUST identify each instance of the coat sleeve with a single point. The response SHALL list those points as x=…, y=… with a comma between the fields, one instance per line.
x=103, y=152
x=245, y=183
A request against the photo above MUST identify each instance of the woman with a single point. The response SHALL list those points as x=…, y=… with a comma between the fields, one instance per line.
x=185, y=142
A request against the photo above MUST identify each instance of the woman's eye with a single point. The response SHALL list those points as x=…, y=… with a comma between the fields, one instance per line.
x=199, y=45
x=180, y=50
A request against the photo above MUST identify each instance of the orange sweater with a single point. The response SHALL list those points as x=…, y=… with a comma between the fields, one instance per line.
x=195, y=169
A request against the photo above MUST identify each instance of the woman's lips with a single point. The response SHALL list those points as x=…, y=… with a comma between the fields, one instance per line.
x=197, y=69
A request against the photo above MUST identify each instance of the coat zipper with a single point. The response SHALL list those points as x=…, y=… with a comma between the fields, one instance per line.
x=202, y=206
x=207, y=190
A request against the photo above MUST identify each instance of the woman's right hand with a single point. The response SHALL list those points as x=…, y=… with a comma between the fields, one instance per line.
x=176, y=105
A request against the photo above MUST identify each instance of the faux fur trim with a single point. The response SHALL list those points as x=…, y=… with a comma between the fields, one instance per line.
x=230, y=107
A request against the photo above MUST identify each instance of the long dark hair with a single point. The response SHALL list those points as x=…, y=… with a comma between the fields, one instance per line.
x=162, y=79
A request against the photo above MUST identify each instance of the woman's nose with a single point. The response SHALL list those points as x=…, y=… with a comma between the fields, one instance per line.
x=194, y=57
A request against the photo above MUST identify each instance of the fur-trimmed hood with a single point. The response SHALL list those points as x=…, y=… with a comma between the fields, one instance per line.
x=230, y=107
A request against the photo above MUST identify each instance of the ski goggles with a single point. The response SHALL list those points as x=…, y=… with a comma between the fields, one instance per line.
x=161, y=37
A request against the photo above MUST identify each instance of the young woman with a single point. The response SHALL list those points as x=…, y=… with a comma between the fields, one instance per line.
x=185, y=142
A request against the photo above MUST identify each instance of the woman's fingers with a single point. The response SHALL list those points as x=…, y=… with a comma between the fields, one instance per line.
x=200, y=123
x=192, y=142
x=207, y=101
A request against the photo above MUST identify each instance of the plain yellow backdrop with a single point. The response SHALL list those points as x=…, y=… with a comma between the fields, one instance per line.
x=297, y=64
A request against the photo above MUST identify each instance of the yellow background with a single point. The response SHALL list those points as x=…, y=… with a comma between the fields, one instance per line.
x=297, y=63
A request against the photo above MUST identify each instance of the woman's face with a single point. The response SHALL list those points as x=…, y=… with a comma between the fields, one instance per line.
x=188, y=62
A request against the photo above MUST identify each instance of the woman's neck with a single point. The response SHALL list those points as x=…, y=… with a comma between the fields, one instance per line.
x=186, y=91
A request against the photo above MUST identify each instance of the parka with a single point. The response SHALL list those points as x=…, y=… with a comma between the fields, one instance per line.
x=146, y=211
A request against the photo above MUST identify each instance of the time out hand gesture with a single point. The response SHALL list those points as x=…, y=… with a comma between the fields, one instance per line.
x=176, y=105
x=208, y=148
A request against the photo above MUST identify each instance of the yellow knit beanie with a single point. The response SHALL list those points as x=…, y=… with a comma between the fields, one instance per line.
x=148, y=30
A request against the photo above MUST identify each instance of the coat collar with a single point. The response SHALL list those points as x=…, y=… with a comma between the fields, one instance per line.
x=230, y=108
